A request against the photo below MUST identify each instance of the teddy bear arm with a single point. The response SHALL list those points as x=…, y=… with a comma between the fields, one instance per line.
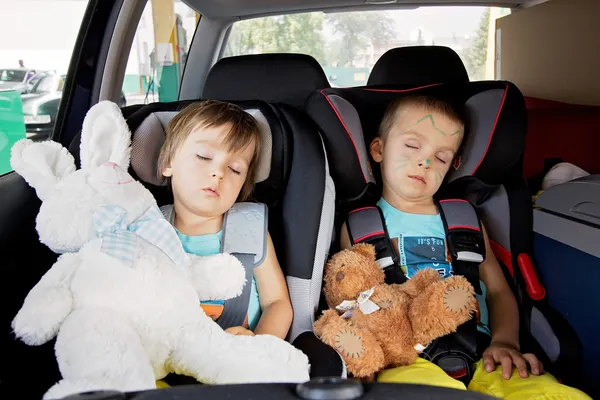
x=419, y=282
x=218, y=277
x=48, y=303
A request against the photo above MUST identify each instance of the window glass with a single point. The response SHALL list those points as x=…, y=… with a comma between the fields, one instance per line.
x=348, y=44
x=159, y=52
x=36, y=43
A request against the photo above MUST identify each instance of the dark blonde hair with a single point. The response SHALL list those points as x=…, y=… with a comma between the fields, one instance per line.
x=213, y=114
x=429, y=103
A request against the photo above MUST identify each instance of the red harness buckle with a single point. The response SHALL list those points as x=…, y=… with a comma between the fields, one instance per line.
x=457, y=374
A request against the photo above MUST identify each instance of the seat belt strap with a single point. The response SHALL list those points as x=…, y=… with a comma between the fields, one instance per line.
x=366, y=225
x=235, y=310
x=456, y=353
x=465, y=240
x=244, y=236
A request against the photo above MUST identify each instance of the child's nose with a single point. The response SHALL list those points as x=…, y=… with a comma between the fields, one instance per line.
x=425, y=163
x=218, y=172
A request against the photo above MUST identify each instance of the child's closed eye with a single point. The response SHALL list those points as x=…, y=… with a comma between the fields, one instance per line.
x=203, y=158
x=235, y=171
x=441, y=160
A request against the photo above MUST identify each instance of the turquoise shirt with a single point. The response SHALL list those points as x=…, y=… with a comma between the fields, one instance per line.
x=420, y=241
x=208, y=245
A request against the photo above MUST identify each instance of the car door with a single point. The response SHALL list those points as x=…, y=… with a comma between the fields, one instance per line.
x=30, y=371
x=87, y=50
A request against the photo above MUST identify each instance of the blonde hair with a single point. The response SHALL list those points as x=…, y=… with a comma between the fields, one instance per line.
x=428, y=103
x=213, y=114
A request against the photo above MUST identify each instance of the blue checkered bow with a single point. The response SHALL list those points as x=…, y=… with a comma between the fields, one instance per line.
x=119, y=240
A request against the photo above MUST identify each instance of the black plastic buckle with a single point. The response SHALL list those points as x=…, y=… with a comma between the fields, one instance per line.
x=466, y=245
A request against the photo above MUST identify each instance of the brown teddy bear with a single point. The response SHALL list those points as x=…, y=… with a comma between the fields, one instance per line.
x=387, y=325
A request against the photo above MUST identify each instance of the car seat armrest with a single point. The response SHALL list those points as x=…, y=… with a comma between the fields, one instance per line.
x=324, y=360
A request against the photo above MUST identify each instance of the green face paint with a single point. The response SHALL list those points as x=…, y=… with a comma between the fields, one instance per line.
x=431, y=119
x=401, y=162
x=427, y=162
x=401, y=165
x=438, y=178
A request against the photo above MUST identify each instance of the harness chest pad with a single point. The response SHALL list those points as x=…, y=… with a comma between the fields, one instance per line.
x=245, y=230
x=464, y=237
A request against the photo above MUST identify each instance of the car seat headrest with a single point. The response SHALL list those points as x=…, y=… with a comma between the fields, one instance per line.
x=274, y=78
x=418, y=65
x=149, y=124
x=494, y=140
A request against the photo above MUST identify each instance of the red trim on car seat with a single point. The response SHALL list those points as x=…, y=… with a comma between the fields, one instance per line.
x=401, y=90
x=503, y=255
x=370, y=235
x=457, y=374
x=347, y=132
x=493, y=131
x=464, y=227
x=362, y=208
x=535, y=290
x=452, y=200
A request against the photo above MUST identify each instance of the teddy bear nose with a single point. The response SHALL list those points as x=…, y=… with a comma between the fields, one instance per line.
x=339, y=276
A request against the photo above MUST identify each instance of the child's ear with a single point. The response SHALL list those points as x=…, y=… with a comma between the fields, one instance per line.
x=167, y=172
x=377, y=150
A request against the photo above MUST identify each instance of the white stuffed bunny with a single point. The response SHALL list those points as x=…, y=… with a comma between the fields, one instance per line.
x=123, y=299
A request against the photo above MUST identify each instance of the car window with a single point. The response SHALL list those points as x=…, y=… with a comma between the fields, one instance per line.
x=12, y=75
x=159, y=52
x=36, y=37
x=47, y=84
x=348, y=44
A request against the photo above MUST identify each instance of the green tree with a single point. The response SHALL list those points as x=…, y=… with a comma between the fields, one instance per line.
x=477, y=53
x=356, y=31
x=294, y=33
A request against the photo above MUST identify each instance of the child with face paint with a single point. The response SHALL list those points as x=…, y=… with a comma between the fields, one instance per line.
x=416, y=144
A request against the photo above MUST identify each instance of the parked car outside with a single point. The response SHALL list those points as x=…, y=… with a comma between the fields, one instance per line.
x=19, y=79
x=40, y=105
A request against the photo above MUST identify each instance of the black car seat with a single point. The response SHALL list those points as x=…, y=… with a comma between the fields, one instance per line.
x=300, y=216
x=487, y=173
x=417, y=66
x=304, y=216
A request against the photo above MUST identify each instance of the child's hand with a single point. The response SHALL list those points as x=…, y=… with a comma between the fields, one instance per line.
x=507, y=355
x=239, y=330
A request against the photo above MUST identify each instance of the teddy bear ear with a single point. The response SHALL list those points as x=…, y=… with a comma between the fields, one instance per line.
x=41, y=164
x=365, y=250
x=105, y=137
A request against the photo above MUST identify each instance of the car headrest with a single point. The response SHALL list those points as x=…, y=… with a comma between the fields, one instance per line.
x=494, y=140
x=274, y=78
x=417, y=66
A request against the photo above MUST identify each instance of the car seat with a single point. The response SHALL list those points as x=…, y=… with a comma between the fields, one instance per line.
x=285, y=81
x=487, y=173
x=417, y=66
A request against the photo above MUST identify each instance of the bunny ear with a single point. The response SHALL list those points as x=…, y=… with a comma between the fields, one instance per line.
x=105, y=137
x=41, y=164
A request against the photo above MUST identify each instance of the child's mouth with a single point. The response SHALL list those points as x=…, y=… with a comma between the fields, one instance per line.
x=211, y=192
x=417, y=178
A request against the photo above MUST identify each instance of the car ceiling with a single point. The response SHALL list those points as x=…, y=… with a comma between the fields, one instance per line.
x=246, y=8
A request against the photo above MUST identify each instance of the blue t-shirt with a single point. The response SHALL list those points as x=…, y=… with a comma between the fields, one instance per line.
x=420, y=241
x=208, y=245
